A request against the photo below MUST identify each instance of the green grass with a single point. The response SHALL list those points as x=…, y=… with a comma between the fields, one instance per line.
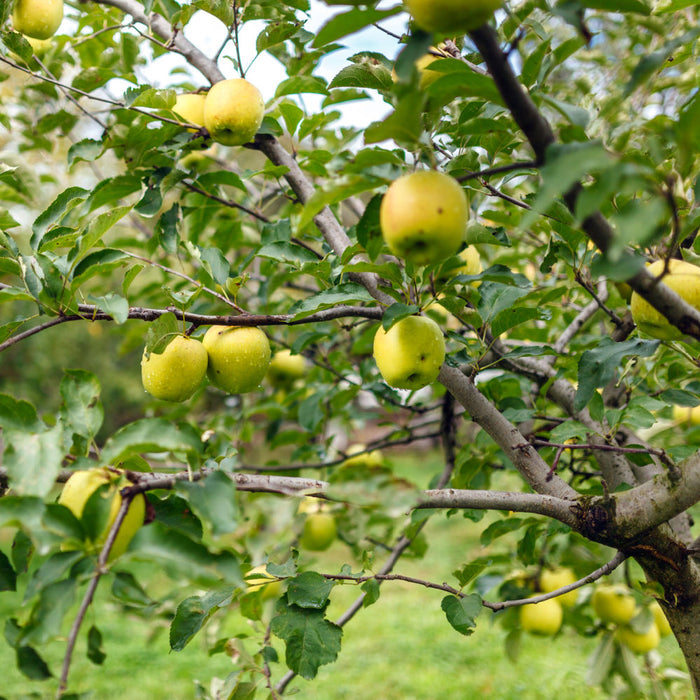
x=401, y=648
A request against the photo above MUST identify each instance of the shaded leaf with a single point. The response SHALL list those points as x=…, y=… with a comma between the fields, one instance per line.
x=214, y=500
x=193, y=612
x=461, y=613
x=309, y=590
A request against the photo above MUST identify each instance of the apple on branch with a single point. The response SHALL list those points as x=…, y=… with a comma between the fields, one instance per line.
x=190, y=106
x=451, y=16
x=233, y=111
x=409, y=355
x=176, y=373
x=38, y=19
x=81, y=485
x=543, y=618
x=423, y=216
x=238, y=357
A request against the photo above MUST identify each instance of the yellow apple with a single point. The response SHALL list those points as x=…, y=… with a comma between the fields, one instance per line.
x=38, y=19
x=285, y=368
x=409, y=355
x=425, y=75
x=319, y=532
x=238, y=357
x=542, y=618
x=258, y=578
x=639, y=642
x=451, y=16
x=423, y=216
x=233, y=111
x=176, y=373
x=613, y=603
x=553, y=579
x=684, y=279
x=369, y=460
x=82, y=484
x=190, y=106
x=686, y=414
x=472, y=261
x=660, y=619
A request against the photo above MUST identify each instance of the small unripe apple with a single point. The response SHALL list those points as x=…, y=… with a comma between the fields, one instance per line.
x=238, y=357
x=684, y=279
x=176, y=373
x=190, y=106
x=82, y=484
x=639, y=642
x=542, y=618
x=359, y=457
x=233, y=111
x=451, y=16
x=285, y=368
x=423, y=216
x=409, y=355
x=38, y=19
x=553, y=579
x=319, y=532
x=613, y=603
x=660, y=619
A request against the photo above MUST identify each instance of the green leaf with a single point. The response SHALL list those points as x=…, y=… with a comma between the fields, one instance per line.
x=396, y=312
x=287, y=252
x=96, y=229
x=98, y=262
x=114, y=305
x=598, y=366
x=161, y=332
x=362, y=75
x=87, y=150
x=311, y=640
x=309, y=590
x=55, y=211
x=509, y=318
x=82, y=410
x=51, y=570
x=500, y=528
x=31, y=664
x=47, y=614
x=637, y=6
x=150, y=435
x=348, y=23
x=18, y=511
x=22, y=551
x=214, y=500
x=497, y=297
x=347, y=293
x=300, y=84
x=371, y=590
x=127, y=589
x=18, y=415
x=404, y=125
x=461, y=613
x=33, y=460
x=193, y=612
x=8, y=577
x=95, y=651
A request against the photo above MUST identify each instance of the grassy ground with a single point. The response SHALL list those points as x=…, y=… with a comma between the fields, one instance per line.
x=399, y=649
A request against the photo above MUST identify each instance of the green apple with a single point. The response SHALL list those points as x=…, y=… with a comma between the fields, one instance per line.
x=660, y=619
x=472, y=261
x=542, y=618
x=82, y=484
x=319, y=532
x=613, y=603
x=190, y=106
x=684, y=279
x=423, y=216
x=258, y=579
x=639, y=642
x=176, y=373
x=38, y=19
x=285, y=368
x=359, y=457
x=409, y=355
x=686, y=414
x=553, y=579
x=238, y=357
x=451, y=16
x=233, y=111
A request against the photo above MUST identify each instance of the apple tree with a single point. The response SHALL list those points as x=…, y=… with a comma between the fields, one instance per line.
x=561, y=394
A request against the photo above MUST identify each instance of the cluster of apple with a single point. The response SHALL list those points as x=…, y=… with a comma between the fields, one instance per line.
x=37, y=19
x=231, y=111
x=423, y=218
x=235, y=359
x=613, y=604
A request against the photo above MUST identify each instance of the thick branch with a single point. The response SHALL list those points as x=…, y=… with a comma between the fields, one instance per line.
x=540, y=135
